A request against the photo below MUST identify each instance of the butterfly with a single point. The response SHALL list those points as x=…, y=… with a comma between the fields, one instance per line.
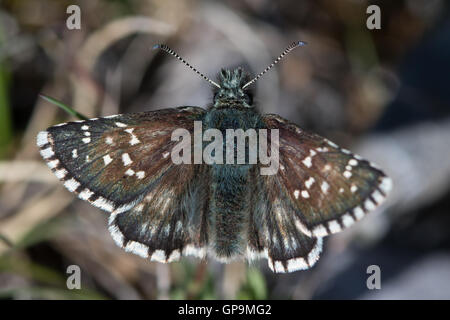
x=162, y=211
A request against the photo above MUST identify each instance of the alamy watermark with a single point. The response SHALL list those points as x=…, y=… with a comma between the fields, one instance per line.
x=236, y=150
x=73, y=22
x=374, y=280
x=74, y=279
x=374, y=20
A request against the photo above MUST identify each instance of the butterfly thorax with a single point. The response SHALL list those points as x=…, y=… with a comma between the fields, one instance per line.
x=230, y=93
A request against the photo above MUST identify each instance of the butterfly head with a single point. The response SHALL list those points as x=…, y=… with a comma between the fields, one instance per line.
x=231, y=89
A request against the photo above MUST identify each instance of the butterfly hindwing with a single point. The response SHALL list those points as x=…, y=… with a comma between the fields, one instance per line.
x=328, y=187
x=276, y=232
x=112, y=161
x=170, y=221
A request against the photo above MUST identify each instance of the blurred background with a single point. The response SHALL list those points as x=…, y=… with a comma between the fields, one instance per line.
x=382, y=93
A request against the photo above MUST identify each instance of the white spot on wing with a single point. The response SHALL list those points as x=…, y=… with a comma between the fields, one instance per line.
x=386, y=184
x=126, y=159
x=369, y=205
x=47, y=153
x=86, y=140
x=347, y=174
x=377, y=196
x=334, y=145
x=346, y=151
x=159, y=255
x=61, y=173
x=85, y=194
x=174, y=256
x=71, y=184
x=178, y=226
x=107, y=159
x=320, y=231
x=191, y=250
x=277, y=266
x=53, y=164
x=334, y=226
x=42, y=138
x=347, y=220
x=305, y=194
x=309, y=182
x=307, y=162
x=121, y=125
x=296, y=193
x=325, y=186
x=134, y=140
x=358, y=212
x=140, y=174
x=137, y=248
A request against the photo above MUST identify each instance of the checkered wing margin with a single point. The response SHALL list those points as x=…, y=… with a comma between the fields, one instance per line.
x=113, y=162
x=328, y=188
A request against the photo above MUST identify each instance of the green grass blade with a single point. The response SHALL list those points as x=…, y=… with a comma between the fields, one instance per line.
x=68, y=109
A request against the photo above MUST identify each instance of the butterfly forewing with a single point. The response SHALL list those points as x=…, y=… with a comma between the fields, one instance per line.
x=112, y=161
x=329, y=187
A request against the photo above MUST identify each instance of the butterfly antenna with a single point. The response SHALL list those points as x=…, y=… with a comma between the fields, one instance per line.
x=285, y=52
x=176, y=55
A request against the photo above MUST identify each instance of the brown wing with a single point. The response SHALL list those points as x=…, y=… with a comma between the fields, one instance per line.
x=327, y=187
x=113, y=162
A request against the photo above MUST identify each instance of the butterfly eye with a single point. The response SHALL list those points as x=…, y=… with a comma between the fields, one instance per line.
x=218, y=95
x=248, y=98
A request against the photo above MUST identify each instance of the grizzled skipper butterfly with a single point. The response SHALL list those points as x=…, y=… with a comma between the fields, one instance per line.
x=163, y=210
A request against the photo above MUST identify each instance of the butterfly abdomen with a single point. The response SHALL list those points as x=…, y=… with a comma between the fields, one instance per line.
x=229, y=205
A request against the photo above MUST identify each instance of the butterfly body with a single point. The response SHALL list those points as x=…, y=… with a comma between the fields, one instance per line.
x=230, y=186
x=161, y=210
